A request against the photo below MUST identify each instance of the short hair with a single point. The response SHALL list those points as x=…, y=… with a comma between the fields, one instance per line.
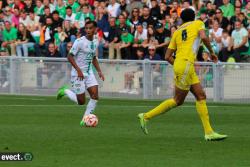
x=91, y=22
x=186, y=1
x=55, y=12
x=125, y=11
x=6, y=21
x=216, y=20
x=167, y=14
x=87, y=18
x=187, y=15
x=174, y=11
x=220, y=10
x=175, y=1
x=140, y=49
x=138, y=24
x=48, y=17
x=174, y=26
x=69, y=7
x=51, y=43
x=241, y=13
x=238, y=20
x=225, y=31
x=31, y=10
x=85, y=5
x=121, y=15
x=208, y=2
x=211, y=13
x=112, y=18
x=46, y=7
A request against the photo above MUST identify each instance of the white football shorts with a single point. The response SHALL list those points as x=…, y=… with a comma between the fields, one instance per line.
x=80, y=86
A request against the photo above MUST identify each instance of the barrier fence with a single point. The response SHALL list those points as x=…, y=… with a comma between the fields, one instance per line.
x=124, y=78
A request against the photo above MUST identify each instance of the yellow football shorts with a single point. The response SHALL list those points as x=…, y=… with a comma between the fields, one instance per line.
x=184, y=74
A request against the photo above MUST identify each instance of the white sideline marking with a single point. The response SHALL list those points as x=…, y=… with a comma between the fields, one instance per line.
x=114, y=106
x=23, y=98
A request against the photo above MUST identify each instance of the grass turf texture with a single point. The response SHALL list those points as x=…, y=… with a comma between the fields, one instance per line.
x=50, y=130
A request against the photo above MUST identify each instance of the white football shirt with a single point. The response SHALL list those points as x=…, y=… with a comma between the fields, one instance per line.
x=84, y=51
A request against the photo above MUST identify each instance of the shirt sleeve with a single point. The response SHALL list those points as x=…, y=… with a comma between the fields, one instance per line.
x=244, y=32
x=75, y=48
x=200, y=25
x=172, y=44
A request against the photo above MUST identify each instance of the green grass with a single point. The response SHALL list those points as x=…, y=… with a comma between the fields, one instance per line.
x=50, y=130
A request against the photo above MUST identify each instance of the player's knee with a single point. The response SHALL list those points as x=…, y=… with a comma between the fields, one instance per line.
x=95, y=97
x=201, y=96
x=81, y=102
x=179, y=102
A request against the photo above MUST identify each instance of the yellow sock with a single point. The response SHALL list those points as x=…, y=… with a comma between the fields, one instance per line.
x=201, y=107
x=163, y=107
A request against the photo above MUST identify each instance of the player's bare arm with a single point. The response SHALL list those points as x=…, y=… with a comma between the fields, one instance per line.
x=73, y=63
x=164, y=44
x=206, y=42
x=169, y=56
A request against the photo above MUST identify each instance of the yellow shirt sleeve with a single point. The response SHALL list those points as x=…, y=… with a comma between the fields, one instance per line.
x=200, y=25
x=172, y=44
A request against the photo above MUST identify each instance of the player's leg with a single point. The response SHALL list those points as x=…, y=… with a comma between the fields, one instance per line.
x=80, y=99
x=76, y=95
x=92, y=87
x=64, y=90
x=201, y=106
x=165, y=106
x=202, y=110
x=93, y=92
x=181, y=70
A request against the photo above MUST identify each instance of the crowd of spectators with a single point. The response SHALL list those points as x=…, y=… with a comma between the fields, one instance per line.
x=127, y=29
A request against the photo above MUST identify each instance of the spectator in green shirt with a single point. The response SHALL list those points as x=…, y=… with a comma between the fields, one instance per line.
x=61, y=8
x=74, y=5
x=123, y=48
x=39, y=9
x=82, y=15
x=9, y=38
x=227, y=9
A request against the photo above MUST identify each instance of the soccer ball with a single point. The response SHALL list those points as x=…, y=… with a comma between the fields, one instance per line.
x=90, y=120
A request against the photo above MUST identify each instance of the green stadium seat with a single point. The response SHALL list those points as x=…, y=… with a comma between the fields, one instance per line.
x=247, y=53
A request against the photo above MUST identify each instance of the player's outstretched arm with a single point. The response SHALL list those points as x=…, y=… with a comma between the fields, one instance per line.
x=73, y=63
x=206, y=42
x=97, y=67
x=169, y=56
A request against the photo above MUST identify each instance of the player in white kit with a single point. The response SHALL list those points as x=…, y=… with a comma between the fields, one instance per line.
x=82, y=56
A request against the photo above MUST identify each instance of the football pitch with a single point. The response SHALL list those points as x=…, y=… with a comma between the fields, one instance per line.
x=50, y=130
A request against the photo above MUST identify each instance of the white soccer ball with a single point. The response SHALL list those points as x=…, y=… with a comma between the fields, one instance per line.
x=90, y=120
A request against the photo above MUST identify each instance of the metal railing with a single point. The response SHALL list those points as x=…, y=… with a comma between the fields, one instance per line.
x=124, y=78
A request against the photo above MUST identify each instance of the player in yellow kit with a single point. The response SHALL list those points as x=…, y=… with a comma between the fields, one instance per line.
x=185, y=42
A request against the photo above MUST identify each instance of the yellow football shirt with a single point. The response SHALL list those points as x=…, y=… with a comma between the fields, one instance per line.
x=186, y=40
